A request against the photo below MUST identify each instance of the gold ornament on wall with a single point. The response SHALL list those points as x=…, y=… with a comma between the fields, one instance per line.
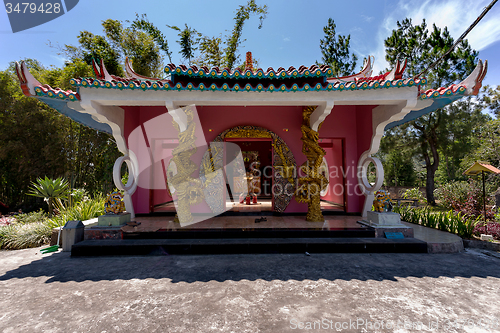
x=188, y=189
x=311, y=185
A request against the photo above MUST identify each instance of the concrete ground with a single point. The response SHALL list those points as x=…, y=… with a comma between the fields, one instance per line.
x=250, y=293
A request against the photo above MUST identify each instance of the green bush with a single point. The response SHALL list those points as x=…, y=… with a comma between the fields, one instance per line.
x=32, y=217
x=85, y=210
x=456, y=223
x=23, y=236
x=35, y=229
x=452, y=194
x=414, y=194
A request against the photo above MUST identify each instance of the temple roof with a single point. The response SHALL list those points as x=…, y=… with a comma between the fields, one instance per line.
x=183, y=78
x=303, y=79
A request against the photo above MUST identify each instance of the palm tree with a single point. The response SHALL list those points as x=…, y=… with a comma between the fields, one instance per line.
x=52, y=190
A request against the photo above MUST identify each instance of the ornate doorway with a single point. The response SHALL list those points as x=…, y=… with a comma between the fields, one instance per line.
x=284, y=173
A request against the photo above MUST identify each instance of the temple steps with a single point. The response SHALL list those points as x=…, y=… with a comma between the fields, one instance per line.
x=224, y=233
x=311, y=245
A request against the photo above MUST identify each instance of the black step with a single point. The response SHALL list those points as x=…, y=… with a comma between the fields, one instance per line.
x=222, y=233
x=246, y=245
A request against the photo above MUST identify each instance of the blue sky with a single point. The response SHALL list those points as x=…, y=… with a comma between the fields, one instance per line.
x=290, y=34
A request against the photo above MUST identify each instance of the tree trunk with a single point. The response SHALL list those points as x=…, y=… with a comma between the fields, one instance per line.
x=429, y=187
x=431, y=170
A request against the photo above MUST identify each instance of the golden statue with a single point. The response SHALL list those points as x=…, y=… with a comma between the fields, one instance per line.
x=310, y=186
x=189, y=190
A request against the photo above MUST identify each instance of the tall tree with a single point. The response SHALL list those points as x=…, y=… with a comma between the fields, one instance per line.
x=117, y=43
x=431, y=132
x=234, y=40
x=335, y=51
x=188, y=38
x=142, y=23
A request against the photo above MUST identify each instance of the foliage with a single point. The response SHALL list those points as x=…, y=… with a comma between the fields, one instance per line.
x=31, y=140
x=434, y=132
x=142, y=23
x=118, y=42
x=37, y=141
x=335, y=51
x=453, y=194
x=35, y=229
x=211, y=52
x=32, y=217
x=399, y=169
x=188, y=38
x=52, y=190
x=492, y=99
x=450, y=221
x=85, y=210
x=21, y=236
x=466, y=197
x=493, y=229
x=234, y=40
x=414, y=194
x=486, y=143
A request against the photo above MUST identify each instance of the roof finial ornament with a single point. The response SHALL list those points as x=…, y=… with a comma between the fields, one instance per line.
x=100, y=70
x=474, y=81
x=249, y=61
x=28, y=81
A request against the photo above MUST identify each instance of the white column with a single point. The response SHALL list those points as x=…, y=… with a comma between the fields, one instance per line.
x=131, y=186
x=368, y=188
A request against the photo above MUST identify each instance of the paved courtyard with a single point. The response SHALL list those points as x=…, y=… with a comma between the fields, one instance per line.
x=250, y=293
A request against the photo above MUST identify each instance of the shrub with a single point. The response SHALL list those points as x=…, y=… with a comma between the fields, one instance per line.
x=23, y=236
x=32, y=217
x=85, y=210
x=452, y=194
x=465, y=197
x=493, y=229
x=32, y=233
x=414, y=194
x=450, y=221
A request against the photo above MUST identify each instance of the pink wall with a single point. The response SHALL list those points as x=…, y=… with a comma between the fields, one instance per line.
x=353, y=124
x=350, y=123
x=145, y=127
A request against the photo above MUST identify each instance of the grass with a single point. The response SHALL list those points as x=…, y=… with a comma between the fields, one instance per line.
x=35, y=229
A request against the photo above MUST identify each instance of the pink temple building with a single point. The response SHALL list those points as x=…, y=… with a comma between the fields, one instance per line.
x=260, y=111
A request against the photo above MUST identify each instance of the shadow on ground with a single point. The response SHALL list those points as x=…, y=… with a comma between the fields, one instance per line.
x=60, y=267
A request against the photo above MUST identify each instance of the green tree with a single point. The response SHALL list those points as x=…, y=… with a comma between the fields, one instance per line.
x=486, y=145
x=234, y=40
x=492, y=99
x=117, y=43
x=31, y=140
x=431, y=133
x=188, y=38
x=213, y=51
x=36, y=141
x=142, y=23
x=335, y=51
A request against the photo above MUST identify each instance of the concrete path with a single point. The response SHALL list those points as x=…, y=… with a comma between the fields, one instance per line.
x=437, y=241
x=249, y=293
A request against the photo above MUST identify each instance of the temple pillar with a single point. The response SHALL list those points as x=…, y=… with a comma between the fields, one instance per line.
x=310, y=186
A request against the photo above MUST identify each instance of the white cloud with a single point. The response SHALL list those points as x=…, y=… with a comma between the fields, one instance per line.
x=367, y=18
x=286, y=39
x=457, y=15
